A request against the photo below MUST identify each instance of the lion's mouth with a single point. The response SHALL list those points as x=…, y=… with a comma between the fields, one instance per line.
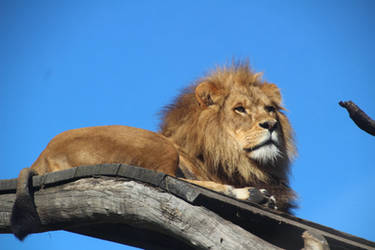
x=265, y=143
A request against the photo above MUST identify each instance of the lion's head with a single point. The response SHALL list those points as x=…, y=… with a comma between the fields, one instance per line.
x=232, y=121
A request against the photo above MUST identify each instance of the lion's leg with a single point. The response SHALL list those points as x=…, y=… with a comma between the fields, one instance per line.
x=250, y=194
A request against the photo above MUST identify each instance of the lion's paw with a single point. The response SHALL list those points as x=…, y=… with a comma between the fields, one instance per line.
x=258, y=196
x=270, y=200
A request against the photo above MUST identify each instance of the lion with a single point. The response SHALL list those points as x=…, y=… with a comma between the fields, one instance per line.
x=226, y=132
x=231, y=124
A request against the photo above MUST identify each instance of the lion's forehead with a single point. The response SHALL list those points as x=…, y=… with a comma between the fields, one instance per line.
x=252, y=97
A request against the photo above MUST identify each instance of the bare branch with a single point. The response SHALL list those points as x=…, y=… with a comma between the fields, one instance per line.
x=360, y=118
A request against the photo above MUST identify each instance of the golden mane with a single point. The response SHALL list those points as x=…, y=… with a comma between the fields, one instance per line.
x=201, y=132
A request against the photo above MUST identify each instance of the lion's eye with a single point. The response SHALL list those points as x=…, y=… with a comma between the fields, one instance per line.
x=270, y=108
x=240, y=109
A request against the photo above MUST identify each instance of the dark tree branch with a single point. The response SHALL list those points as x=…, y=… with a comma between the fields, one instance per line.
x=360, y=118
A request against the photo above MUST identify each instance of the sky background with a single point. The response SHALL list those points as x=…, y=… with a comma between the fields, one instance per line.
x=70, y=64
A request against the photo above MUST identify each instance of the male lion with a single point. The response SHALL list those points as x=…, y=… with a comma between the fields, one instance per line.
x=226, y=133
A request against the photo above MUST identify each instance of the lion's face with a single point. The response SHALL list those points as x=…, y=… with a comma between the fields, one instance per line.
x=251, y=119
x=232, y=122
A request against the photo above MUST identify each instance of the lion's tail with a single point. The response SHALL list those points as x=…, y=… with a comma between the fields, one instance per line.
x=25, y=218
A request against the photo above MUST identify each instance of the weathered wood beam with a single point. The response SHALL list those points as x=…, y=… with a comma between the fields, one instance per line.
x=279, y=229
x=92, y=205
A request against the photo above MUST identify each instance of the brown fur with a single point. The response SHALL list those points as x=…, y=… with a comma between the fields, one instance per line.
x=212, y=134
x=107, y=144
x=90, y=146
x=203, y=123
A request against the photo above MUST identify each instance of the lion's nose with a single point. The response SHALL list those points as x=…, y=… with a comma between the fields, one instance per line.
x=271, y=125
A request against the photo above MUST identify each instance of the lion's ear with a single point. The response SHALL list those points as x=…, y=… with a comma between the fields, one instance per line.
x=206, y=93
x=272, y=91
x=257, y=76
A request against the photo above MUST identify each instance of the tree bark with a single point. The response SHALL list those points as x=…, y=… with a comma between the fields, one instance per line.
x=359, y=117
x=89, y=205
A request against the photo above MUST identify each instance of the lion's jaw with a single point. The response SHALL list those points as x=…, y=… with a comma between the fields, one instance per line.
x=266, y=151
x=260, y=146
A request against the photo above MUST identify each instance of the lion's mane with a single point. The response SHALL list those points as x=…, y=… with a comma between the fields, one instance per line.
x=201, y=133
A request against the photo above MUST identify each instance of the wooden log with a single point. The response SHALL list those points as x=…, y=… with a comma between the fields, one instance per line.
x=93, y=205
x=279, y=229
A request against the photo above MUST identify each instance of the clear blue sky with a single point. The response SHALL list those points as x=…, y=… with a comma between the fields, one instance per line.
x=70, y=64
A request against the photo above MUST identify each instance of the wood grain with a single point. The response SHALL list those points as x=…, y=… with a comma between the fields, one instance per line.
x=93, y=201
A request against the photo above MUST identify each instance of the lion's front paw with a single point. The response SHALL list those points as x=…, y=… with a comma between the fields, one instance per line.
x=270, y=200
x=259, y=196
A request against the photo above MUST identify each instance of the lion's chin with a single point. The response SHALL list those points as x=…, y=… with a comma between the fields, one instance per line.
x=266, y=154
